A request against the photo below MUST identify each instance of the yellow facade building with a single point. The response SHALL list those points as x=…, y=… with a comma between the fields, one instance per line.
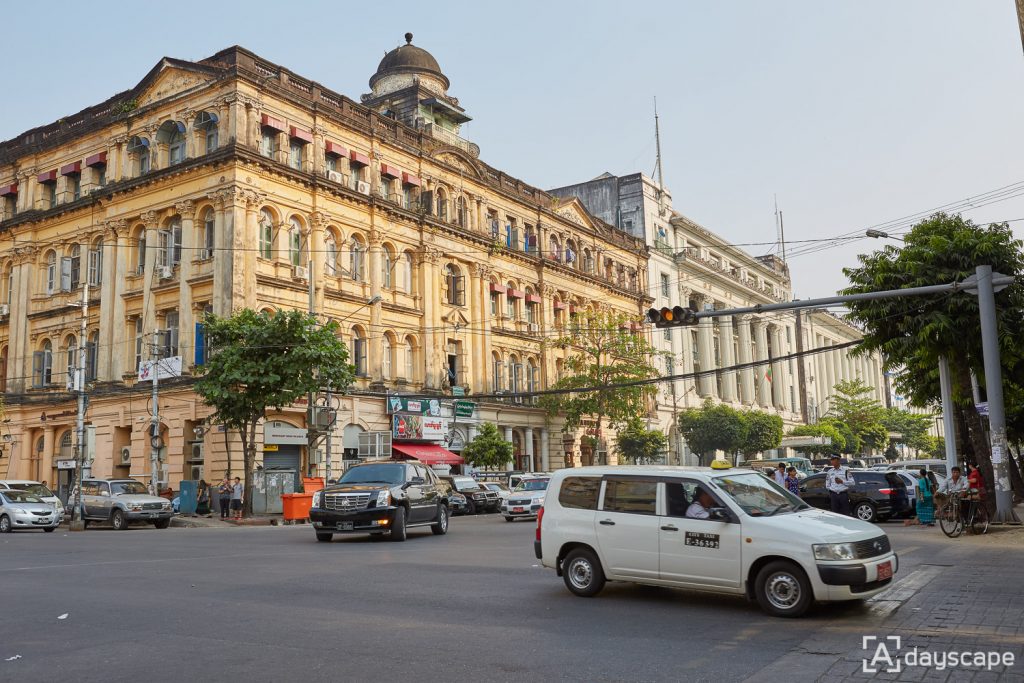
x=230, y=182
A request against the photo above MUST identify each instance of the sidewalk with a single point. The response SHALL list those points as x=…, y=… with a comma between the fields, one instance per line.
x=215, y=522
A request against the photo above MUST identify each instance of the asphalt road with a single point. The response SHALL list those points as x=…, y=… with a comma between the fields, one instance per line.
x=272, y=604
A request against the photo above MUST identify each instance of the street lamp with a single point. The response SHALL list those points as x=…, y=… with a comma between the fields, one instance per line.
x=879, y=234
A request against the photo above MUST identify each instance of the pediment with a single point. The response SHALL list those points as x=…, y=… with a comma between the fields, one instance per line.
x=573, y=211
x=456, y=319
x=167, y=80
x=458, y=161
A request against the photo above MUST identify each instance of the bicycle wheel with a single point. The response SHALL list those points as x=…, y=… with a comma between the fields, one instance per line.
x=950, y=521
x=979, y=520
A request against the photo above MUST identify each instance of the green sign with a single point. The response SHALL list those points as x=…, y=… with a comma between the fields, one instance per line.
x=397, y=404
x=458, y=391
x=464, y=408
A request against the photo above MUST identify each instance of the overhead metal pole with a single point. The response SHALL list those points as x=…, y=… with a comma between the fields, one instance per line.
x=994, y=390
x=154, y=430
x=77, y=522
x=948, y=428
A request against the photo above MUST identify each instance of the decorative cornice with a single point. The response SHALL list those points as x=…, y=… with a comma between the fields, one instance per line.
x=185, y=208
x=115, y=227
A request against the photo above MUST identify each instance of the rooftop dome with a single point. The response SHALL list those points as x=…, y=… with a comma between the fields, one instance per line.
x=411, y=60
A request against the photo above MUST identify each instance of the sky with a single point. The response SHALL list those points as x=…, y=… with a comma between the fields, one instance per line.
x=853, y=114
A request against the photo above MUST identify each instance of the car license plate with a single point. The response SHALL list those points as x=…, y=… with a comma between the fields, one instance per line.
x=518, y=509
x=885, y=571
x=345, y=526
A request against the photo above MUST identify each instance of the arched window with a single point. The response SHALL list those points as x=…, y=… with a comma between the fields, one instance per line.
x=138, y=151
x=3, y=368
x=408, y=286
x=8, y=283
x=442, y=204
x=385, y=357
x=588, y=261
x=295, y=242
x=410, y=359
x=555, y=253
x=359, y=351
x=532, y=378
x=51, y=272
x=206, y=126
x=497, y=372
x=330, y=254
x=169, y=252
x=71, y=356
x=570, y=253
x=42, y=365
x=66, y=445
x=456, y=285
x=96, y=262
x=387, y=265
x=76, y=265
x=209, y=233
x=266, y=234
x=172, y=134
x=531, y=308
x=357, y=259
x=510, y=302
x=140, y=250
x=460, y=211
x=91, y=347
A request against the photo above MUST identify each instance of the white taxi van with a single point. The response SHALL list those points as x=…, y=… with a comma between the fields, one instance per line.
x=712, y=529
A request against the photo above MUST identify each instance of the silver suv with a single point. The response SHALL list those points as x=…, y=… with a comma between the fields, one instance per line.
x=121, y=501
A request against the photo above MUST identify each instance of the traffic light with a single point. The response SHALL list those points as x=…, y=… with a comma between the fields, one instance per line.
x=672, y=317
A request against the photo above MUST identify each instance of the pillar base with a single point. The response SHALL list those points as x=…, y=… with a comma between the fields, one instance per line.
x=77, y=525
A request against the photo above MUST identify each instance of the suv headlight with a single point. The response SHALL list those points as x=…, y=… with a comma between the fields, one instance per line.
x=834, y=551
x=136, y=507
x=383, y=499
x=317, y=496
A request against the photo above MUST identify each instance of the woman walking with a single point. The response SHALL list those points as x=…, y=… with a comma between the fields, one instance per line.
x=925, y=500
x=224, y=496
x=203, y=499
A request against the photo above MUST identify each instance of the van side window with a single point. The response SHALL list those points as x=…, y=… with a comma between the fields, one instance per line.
x=580, y=493
x=630, y=495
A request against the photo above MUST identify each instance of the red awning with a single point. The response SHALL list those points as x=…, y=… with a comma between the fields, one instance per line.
x=410, y=179
x=335, y=149
x=271, y=122
x=300, y=134
x=8, y=189
x=48, y=177
x=73, y=168
x=359, y=158
x=389, y=171
x=98, y=159
x=428, y=453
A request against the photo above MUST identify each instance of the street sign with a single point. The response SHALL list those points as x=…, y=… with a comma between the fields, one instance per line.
x=458, y=391
x=165, y=368
x=398, y=404
x=982, y=408
x=464, y=408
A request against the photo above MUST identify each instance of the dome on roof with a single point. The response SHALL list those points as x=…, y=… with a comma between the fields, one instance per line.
x=409, y=59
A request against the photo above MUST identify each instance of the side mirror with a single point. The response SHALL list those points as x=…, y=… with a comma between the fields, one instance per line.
x=417, y=480
x=719, y=514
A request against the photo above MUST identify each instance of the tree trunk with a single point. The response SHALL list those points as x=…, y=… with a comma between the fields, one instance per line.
x=975, y=431
x=227, y=449
x=250, y=462
x=1016, y=480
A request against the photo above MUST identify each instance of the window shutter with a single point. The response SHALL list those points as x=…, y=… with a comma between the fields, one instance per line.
x=515, y=238
x=90, y=361
x=200, y=357
x=176, y=236
x=427, y=202
x=94, y=267
x=37, y=369
x=65, y=274
x=460, y=290
x=163, y=242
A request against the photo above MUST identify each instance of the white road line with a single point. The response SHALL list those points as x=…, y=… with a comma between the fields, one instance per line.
x=888, y=601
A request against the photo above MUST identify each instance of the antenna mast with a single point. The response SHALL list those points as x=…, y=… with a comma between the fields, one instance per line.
x=780, y=228
x=657, y=145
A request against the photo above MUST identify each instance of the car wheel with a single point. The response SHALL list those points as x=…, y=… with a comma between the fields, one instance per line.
x=49, y=529
x=865, y=511
x=398, y=530
x=441, y=528
x=324, y=537
x=582, y=573
x=470, y=508
x=5, y=525
x=117, y=520
x=510, y=519
x=162, y=523
x=783, y=590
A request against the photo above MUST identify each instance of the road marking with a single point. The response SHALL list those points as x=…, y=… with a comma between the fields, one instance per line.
x=888, y=601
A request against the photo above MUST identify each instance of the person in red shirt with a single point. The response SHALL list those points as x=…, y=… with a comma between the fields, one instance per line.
x=976, y=481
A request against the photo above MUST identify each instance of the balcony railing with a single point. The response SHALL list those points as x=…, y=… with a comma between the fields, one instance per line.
x=450, y=138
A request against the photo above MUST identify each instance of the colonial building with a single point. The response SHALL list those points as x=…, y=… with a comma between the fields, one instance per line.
x=692, y=266
x=231, y=182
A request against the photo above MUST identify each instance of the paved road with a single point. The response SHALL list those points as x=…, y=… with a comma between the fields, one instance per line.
x=271, y=604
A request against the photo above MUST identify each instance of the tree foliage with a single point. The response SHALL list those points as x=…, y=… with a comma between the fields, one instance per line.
x=638, y=445
x=260, y=361
x=837, y=445
x=602, y=352
x=488, y=449
x=852, y=405
x=713, y=427
x=911, y=427
x=764, y=432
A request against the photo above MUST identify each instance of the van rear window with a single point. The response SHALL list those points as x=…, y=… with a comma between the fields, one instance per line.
x=579, y=492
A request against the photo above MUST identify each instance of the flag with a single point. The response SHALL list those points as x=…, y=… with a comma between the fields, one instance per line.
x=768, y=375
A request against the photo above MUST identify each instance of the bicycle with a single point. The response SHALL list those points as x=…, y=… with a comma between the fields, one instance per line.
x=954, y=519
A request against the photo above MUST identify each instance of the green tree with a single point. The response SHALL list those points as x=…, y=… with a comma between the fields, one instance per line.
x=488, y=449
x=913, y=332
x=852, y=404
x=838, y=443
x=262, y=360
x=911, y=427
x=764, y=432
x=603, y=352
x=713, y=428
x=849, y=441
x=639, y=445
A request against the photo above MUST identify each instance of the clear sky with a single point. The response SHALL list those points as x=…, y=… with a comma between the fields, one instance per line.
x=852, y=112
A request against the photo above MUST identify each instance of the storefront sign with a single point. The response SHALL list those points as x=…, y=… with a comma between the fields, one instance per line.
x=65, y=464
x=458, y=391
x=397, y=404
x=270, y=448
x=287, y=435
x=419, y=427
x=464, y=408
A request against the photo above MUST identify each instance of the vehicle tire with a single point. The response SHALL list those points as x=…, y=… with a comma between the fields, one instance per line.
x=162, y=523
x=950, y=521
x=398, y=530
x=510, y=519
x=783, y=590
x=5, y=525
x=324, y=537
x=470, y=507
x=441, y=528
x=865, y=512
x=50, y=529
x=118, y=520
x=979, y=523
x=582, y=573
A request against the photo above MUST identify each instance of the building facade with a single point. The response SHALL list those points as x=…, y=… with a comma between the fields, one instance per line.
x=233, y=183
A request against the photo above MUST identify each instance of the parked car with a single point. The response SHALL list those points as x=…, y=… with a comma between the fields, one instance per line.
x=910, y=479
x=525, y=500
x=930, y=464
x=802, y=465
x=21, y=510
x=874, y=496
x=629, y=523
x=381, y=497
x=121, y=502
x=501, y=489
x=479, y=498
x=36, y=489
x=457, y=502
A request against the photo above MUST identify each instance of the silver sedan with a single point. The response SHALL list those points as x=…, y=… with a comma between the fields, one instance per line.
x=23, y=510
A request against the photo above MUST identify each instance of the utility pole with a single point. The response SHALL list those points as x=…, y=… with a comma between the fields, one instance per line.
x=154, y=421
x=77, y=520
x=801, y=370
x=312, y=433
x=948, y=427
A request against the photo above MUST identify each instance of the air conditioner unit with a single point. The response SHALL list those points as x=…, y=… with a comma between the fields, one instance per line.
x=197, y=452
x=196, y=472
x=300, y=273
x=363, y=187
x=322, y=417
x=317, y=457
x=335, y=176
x=533, y=327
x=5, y=310
x=166, y=272
x=126, y=456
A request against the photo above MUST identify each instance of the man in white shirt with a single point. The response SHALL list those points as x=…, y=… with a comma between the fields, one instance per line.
x=838, y=481
x=955, y=483
x=780, y=475
x=699, y=508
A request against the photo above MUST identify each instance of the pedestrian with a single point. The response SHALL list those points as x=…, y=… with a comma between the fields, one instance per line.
x=224, y=496
x=792, y=482
x=975, y=481
x=780, y=475
x=925, y=499
x=203, y=498
x=838, y=481
x=236, y=498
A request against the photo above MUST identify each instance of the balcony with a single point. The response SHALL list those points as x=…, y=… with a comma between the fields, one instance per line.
x=449, y=138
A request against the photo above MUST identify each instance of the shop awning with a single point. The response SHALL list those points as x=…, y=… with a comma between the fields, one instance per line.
x=428, y=453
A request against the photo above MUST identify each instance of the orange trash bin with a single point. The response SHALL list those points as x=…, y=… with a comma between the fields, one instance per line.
x=296, y=505
x=312, y=484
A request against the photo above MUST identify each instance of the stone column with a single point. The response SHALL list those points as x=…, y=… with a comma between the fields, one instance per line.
x=830, y=375
x=508, y=438
x=763, y=386
x=745, y=353
x=186, y=316
x=318, y=255
x=151, y=219
x=115, y=252
x=529, y=447
x=243, y=275
x=821, y=388
x=725, y=343
x=222, y=256
x=19, y=350
x=545, y=450
x=706, y=348
x=778, y=368
x=373, y=351
x=431, y=315
x=483, y=272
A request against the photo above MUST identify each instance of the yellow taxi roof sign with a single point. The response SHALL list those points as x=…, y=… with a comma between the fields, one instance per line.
x=720, y=465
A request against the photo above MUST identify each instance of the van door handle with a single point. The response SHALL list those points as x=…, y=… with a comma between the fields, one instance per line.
x=669, y=527
x=607, y=522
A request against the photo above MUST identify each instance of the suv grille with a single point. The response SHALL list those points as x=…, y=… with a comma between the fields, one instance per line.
x=344, y=502
x=152, y=506
x=519, y=501
x=873, y=547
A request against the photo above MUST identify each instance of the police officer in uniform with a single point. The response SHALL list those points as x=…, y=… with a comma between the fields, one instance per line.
x=838, y=481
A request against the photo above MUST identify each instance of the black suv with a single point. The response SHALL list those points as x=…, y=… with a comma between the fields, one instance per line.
x=478, y=498
x=875, y=496
x=381, y=497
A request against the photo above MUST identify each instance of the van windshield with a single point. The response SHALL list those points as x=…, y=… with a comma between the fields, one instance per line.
x=758, y=496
